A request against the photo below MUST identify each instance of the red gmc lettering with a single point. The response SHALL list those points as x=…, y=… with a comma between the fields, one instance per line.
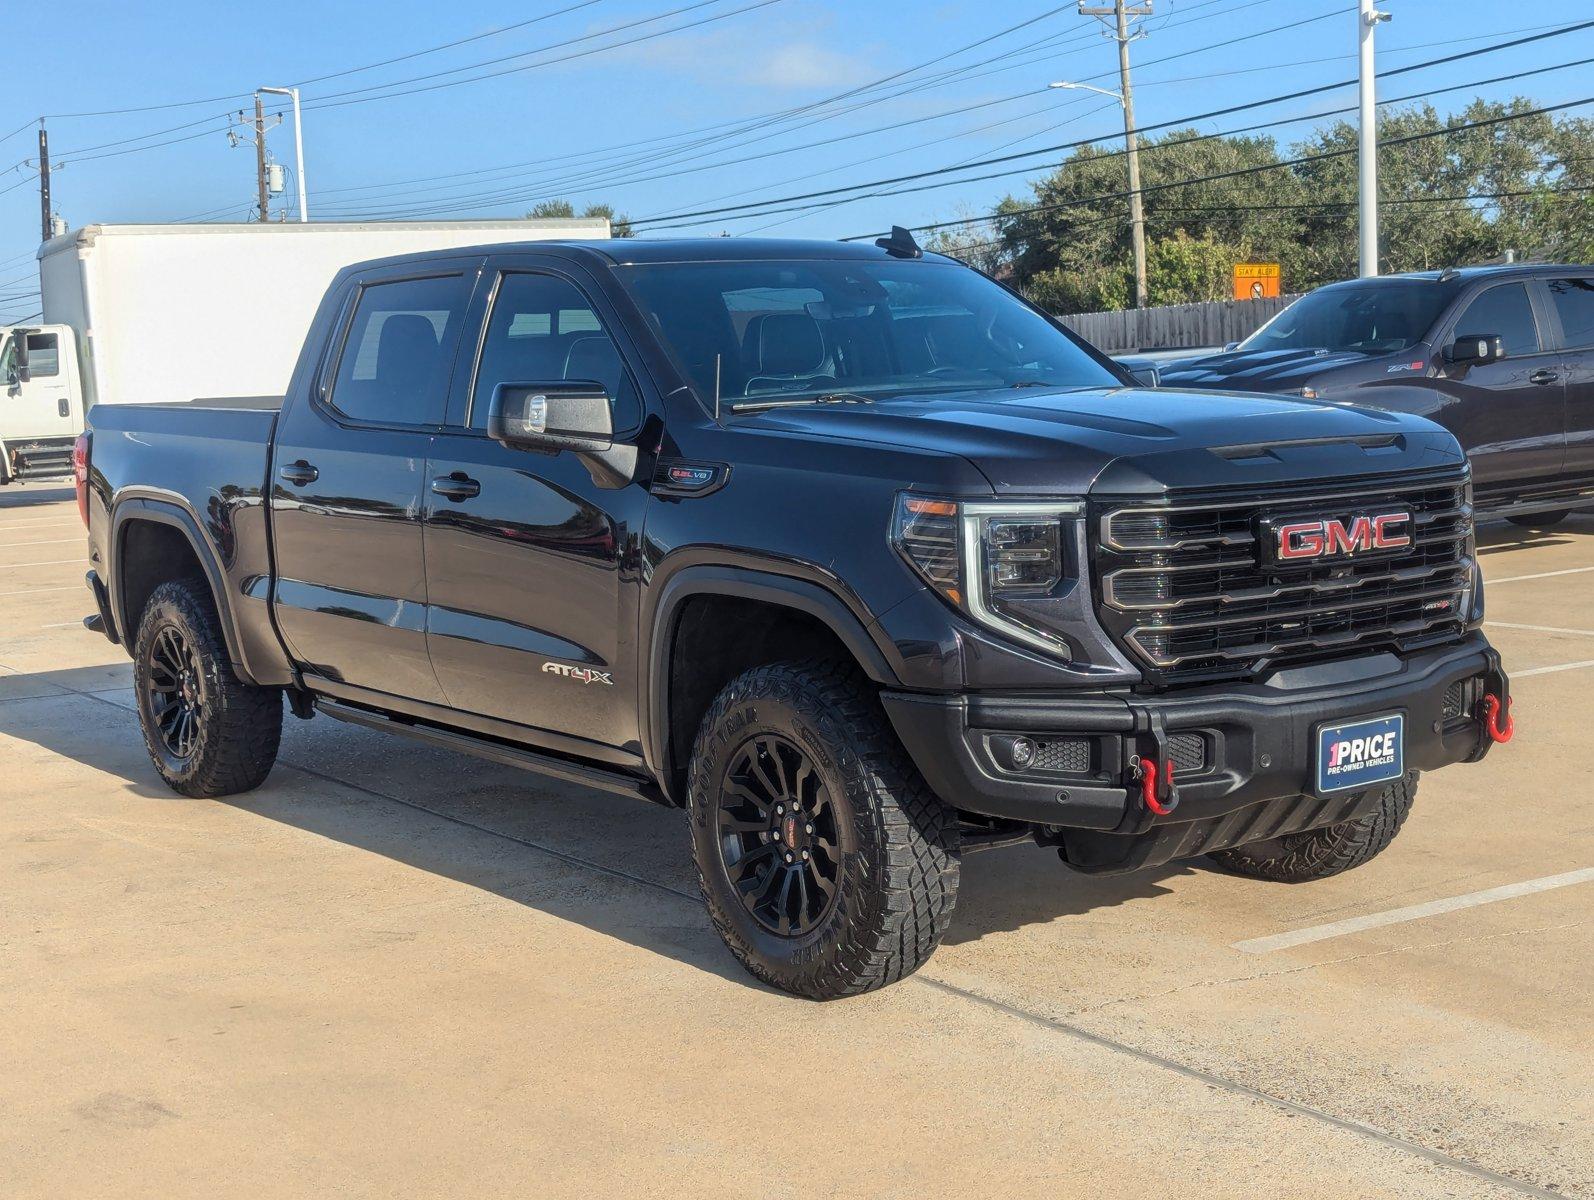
x=1320, y=539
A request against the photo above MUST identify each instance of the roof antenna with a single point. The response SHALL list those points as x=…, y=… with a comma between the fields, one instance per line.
x=900, y=244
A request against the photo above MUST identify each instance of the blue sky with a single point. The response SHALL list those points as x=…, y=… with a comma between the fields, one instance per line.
x=542, y=128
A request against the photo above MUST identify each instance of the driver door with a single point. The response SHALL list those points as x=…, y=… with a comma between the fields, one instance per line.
x=39, y=406
x=1510, y=414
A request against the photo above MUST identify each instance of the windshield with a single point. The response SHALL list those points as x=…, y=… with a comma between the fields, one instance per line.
x=1373, y=318
x=773, y=330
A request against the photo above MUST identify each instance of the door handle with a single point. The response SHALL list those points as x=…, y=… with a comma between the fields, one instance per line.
x=1543, y=377
x=456, y=487
x=299, y=473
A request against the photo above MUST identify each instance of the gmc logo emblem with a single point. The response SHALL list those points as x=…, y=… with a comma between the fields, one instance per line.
x=1307, y=541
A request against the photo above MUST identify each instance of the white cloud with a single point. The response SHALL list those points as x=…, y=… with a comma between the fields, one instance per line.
x=805, y=65
x=771, y=50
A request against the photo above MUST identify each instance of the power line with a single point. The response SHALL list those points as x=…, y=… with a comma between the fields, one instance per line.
x=605, y=177
x=1238, y=172
x=523, y=194
x=1230, y=109
x=118, y=112
x=326, y=102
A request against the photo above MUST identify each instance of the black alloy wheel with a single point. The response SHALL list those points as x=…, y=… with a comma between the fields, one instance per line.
x=172, y=698
x=778, y=835
x=208, y=732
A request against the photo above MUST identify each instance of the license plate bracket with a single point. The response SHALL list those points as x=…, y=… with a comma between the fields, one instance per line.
x=1356, y=755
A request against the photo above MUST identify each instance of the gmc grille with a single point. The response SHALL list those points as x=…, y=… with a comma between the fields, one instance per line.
x=1183, y=585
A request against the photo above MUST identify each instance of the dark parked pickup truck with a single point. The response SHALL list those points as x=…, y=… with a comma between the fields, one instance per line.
x=1501, y=356
x=846, y=550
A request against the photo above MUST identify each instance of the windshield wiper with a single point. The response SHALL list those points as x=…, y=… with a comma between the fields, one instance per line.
x=823, y=398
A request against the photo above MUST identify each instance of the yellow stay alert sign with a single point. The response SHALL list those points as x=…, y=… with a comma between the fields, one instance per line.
x=1254, y=280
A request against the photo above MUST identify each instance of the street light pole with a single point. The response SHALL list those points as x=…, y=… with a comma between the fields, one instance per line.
x=298, y=145
x=1367, y=20
x=1137, y=216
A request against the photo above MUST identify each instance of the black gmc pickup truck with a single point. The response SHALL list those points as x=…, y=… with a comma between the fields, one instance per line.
x=846, y=550
x=1502, y=356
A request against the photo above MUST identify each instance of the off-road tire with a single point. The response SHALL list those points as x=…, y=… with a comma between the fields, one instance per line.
x=1543, y=520
x=898, y=875
x=1319, y=853
x=238, y=739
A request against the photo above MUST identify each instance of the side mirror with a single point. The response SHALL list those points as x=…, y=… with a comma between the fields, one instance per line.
x=1471, y=348
x=565, y=415
x=1146, y=376
x=19, y=359
x=1230, y=346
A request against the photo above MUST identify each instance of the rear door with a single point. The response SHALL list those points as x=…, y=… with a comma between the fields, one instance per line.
x=528, y=560
x=348, y=476
x=39, y=406
x=1509, y=415
x=1573, y=299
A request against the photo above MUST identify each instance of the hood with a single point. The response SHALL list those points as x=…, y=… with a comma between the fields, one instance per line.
x=1261, y=370
x=1133, y=440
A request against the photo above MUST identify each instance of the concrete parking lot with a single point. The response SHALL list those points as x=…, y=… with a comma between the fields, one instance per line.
x=395, y=971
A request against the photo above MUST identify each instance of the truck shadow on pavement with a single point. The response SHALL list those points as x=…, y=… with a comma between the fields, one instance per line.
x=24, y=495
x=616, y=866
x=1499, y=537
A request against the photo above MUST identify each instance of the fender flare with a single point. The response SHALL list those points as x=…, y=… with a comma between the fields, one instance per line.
x=170, y=509
x=784, y=582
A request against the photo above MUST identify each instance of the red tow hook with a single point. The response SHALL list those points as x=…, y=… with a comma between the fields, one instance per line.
x=1491, y=719
x=1148, y=787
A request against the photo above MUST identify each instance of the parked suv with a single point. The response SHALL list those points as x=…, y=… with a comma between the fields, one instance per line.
x=846, y=550
x=1501, y=356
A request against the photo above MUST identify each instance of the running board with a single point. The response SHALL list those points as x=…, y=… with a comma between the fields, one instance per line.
x=499, y=752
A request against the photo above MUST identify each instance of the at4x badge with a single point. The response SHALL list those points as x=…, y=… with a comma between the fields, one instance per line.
x=579, y=674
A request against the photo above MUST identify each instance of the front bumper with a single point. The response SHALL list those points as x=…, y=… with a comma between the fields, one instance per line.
x=1244, y=751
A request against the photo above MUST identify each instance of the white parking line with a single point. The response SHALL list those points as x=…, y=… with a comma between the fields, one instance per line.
x=29, y=591
x=1487, y=582
x=52, y=562
x=61, y=625
x=1539, y=628
x=1413, y=912
x=39, y=542
x=1588, y=662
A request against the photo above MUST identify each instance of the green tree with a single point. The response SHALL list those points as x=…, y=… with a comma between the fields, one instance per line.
x=619, y=226
x=1466, y=196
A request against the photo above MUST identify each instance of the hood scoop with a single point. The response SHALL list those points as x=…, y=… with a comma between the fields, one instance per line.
x=1392, y=443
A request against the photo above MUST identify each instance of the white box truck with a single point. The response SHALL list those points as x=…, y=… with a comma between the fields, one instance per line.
x=162, y=313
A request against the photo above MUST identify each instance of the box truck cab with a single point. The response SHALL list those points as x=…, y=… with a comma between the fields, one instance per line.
x=162, y=314
x=42, y=411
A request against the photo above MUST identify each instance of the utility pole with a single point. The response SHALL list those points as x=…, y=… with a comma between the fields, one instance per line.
x=1121, y=11
x=264, y=200
x=45, y=224
x=1368, y=19
x=298, y=143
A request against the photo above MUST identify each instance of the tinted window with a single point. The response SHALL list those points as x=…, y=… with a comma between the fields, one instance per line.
x=796, y=329
x=395, y=363
x=44, y=356
x=1574, y=301
x=1504, y=310
x=542, y=330
x=1371, y=318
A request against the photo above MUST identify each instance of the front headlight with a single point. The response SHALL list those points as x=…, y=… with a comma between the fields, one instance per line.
x=1006, y=565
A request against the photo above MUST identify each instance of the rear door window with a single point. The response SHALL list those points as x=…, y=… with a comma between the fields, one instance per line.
x=1506, y=311
x=397, y=355
x=1574, y=303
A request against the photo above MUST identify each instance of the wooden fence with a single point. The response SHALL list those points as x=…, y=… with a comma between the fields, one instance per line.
x=1174, y=326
